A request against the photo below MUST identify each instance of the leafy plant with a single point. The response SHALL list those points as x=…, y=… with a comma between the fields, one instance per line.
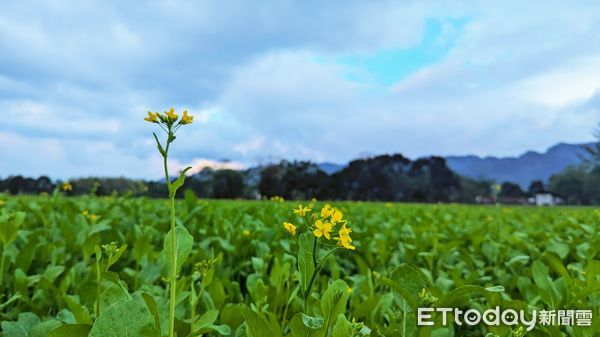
x=177, y=250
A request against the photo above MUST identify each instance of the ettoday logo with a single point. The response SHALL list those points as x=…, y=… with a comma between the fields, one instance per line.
x=507, y=317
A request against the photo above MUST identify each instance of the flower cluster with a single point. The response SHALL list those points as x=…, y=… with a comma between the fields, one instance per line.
x=324, y=224
x=169, y=118
x=66, y=187
x=91, y=216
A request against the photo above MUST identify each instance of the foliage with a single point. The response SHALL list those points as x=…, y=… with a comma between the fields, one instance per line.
x=240, y=278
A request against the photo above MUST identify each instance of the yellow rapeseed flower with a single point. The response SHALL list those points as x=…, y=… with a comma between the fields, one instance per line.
x=326, y=211
x=290, y=228
x=171, y=115
x=152, y=117
x=301, y=210
x=186, y=119
x=85, y=212
x=2, y=202
x=322, y=229
x=345, y=230
x=66, y=187
x=246, y=232
x=345, y=241
x=336, y=216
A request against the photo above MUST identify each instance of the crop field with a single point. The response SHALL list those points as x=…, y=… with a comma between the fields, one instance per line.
x=98, y=266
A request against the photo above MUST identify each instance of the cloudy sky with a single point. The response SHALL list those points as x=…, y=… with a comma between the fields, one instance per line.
x=319, y=80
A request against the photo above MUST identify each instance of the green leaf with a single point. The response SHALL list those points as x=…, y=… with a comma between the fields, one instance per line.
x=298, y=328
x=306, y=265
x=13, y=298
x=312, y=323
x=407, y=281
x=209, y=317
x=302, y=325
x=153, y=308
x=117, y=255
x=450, y=298
x=81, y=313
x=9, y=226
x=52, y=272
x=71, y=330
x=257, y=325
x=113, y=290
x=205, y=324
x=548, y=291
x=21, y=327
x=442, y=332
x=44, y=328
x=125, y=319
x=160, y=148
x=184, y=241
x=179, y=182
x=333, y=302
x=342, y=327
x=495, y=289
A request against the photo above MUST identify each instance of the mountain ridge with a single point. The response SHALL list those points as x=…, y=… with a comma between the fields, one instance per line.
x=522, y=169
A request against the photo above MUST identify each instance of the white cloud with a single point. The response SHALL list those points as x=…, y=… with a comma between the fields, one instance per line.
x=77, y=77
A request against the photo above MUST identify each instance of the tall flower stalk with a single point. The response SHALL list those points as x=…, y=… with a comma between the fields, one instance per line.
x=170, y=122
x=320, y=227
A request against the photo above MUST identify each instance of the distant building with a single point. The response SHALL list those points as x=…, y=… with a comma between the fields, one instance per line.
x=545, y=198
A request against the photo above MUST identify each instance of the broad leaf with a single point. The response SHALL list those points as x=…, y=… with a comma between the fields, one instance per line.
x=184, y=242
x=125, y=319
x=71, y=330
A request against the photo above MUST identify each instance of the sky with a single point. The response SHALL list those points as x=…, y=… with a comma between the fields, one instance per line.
x=326, y=81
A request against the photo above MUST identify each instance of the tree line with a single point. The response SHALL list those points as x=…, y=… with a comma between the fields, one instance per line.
x=380, y=178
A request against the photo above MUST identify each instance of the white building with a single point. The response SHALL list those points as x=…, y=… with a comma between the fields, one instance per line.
x=546, y=199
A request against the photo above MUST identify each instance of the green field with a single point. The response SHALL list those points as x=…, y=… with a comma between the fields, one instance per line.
x=242, y=273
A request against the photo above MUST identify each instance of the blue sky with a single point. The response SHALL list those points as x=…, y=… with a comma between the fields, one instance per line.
x=312, y=80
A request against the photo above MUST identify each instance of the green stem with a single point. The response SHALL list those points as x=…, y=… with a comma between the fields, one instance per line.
x=309, y=289
x=98, y=286
x=313, y=276
x=173, y=286
x=2, y=266
x=193, y=313
x=314, y=252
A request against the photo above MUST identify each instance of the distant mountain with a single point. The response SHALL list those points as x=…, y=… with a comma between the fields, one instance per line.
x=521, y=170
x=331, y=168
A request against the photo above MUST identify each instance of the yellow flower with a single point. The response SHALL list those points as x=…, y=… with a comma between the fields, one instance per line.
x=301, y=211
x=246, y=232
x=85, y=212
x=326, y=211
x=322, y=229
x=186, y=119
x=290, y=228
x=2, y=202
x=345, y=231
x=345, y=241
x=94, y=217
x=152, y=117
x=337, y=216
x=171, y=115
x=66, y=187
